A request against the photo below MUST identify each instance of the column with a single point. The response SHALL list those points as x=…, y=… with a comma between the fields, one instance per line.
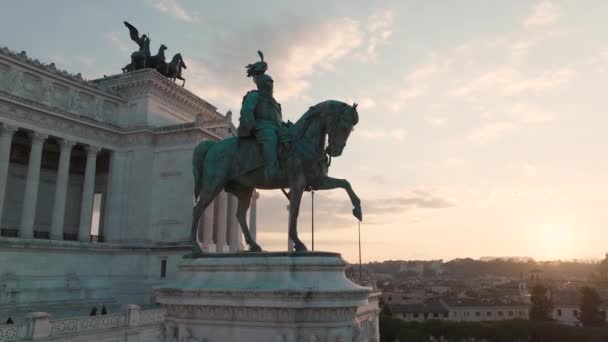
x=30, y=197
x=112, y=214
x=253, y=215
x=233, y=225
x=221, y=202
x=208, y=243
x=6, y=139
x=61, y=189
x=88, y=188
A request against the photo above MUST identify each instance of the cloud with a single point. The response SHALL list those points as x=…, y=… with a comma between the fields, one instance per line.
x=529, y=114
x=120, y=42
x=514, y=118
x=421, y=199
x=542, y=14
x=379, y=28
x=491, y=132
x=176, y=10
x=333, y=210
x=510, y=81
x=294, y=47
x=416, y=82
x=436, y=121
x=390, y=134
x=406, y=94
x=364, y=103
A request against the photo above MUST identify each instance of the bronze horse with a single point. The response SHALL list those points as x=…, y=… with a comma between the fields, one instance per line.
x=236, y=165
x=173, y=69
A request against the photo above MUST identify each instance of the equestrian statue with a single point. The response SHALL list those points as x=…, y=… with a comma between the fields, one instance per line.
x=269, y=153
x=141, y=59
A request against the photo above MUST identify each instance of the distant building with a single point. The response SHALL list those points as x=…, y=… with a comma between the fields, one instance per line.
x=418, y=312
x=566, y=307
x=412, y=296
x=485, y=309
x=453, y=309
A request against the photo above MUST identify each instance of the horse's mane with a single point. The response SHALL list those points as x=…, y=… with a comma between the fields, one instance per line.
x=322, y=107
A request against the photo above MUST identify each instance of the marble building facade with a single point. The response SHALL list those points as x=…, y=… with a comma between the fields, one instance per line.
x=96, y=189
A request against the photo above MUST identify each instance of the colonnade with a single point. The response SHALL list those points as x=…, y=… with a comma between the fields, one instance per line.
x=219, y=230
x=30, y=199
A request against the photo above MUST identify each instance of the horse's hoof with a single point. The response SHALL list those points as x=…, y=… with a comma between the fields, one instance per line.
x=300, y=247
x=255, y=248
x=357, y=213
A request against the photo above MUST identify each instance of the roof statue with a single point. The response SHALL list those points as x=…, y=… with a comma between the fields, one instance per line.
x=269, y=153
x=142, y=59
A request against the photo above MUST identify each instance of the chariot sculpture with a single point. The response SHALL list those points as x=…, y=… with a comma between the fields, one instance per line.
x=141, y=59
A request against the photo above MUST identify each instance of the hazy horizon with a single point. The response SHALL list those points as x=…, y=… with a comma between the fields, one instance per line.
x=481, y=124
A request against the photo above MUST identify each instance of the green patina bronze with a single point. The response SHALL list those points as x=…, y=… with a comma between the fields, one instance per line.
x=271, y=154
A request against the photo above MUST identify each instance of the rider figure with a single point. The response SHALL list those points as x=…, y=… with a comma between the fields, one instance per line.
x=261, y=116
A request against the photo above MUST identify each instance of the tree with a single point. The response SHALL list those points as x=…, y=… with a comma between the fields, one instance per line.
x=386, y=311
x=542, y=305
x=590, y=314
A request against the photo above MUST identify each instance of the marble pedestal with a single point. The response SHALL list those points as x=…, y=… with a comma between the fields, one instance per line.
x=270, y=297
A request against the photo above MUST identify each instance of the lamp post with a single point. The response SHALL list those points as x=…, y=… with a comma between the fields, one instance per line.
x=359, y=227
x=312, y=221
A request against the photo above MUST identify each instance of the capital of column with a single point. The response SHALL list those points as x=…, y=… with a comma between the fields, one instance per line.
x=92, y=150
x=7, y=129
x=66, y=144
x=38, y=137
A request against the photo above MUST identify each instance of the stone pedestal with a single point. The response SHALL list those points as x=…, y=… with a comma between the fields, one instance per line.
x=287, y=297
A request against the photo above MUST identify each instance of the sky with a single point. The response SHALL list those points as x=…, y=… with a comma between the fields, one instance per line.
x=482, y=123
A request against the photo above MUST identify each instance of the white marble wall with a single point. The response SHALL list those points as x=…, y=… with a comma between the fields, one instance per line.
x=148, y=193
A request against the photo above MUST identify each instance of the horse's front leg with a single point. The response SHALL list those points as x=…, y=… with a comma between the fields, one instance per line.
x=295, y=198
x=328, y=183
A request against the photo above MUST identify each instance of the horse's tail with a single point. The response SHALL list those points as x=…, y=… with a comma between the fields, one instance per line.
x=198, y=159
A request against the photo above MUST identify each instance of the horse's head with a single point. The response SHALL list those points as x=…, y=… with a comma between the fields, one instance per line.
x=339, y=127
x=162, y=48
x=178, y=60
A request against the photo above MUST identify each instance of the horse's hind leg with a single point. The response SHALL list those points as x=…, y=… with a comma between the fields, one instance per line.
x=244, y=196
x=206, y=198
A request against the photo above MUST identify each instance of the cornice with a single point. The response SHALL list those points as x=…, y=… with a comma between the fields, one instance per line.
x=24, y=245
x=51, y=71
x=150, y=81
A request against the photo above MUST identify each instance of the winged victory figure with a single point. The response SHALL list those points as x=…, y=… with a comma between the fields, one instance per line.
x=140, y=57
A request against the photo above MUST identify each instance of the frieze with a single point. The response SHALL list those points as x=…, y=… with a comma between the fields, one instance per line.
x=105, y=136
x=261, y=314
x=50, y=68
